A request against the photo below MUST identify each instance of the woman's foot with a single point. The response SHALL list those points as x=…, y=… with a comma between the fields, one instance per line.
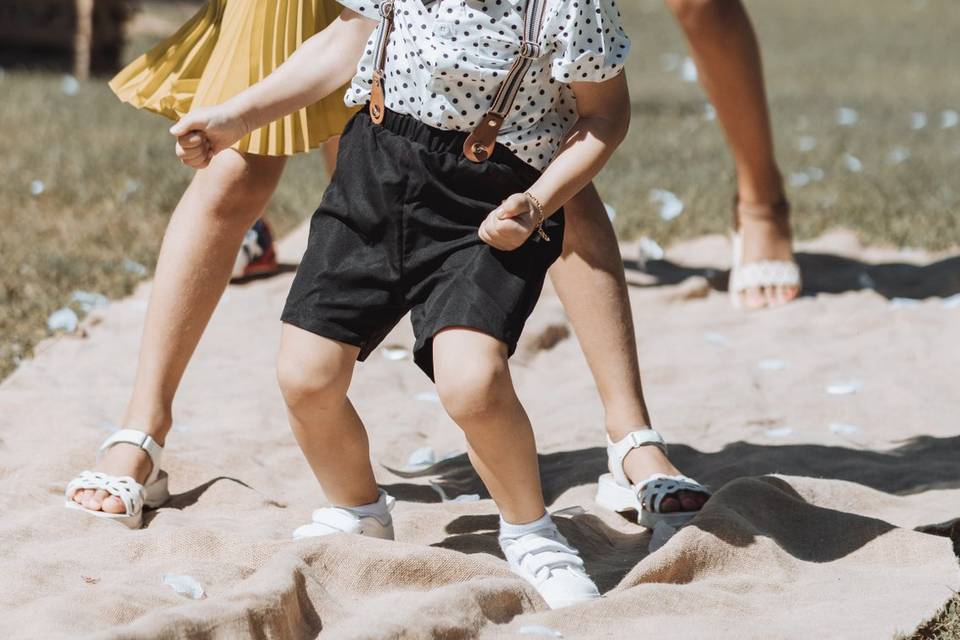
x=643, y=480
x=643, y=462
x=121, y=459
x=765, y=241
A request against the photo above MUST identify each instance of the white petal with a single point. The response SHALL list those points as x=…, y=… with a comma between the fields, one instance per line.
x=184, y=585
x=64, y=319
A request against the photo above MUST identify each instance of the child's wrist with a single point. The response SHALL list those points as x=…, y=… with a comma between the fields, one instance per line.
x=242, y=112
x=537, y=212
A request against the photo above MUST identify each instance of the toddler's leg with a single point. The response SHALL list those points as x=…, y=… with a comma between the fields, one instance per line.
x=314, y=374
x=474, y=385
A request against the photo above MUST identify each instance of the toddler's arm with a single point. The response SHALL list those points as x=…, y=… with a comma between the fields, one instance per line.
x=604, y=117
x=320, y=66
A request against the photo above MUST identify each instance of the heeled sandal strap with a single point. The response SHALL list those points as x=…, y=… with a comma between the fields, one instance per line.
x=617, y=451
x=778, y=211
x=137, y=439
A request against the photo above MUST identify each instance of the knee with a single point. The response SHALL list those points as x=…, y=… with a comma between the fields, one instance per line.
x=311, y=386
x=475, y=390
x=692, y=13
x=236, y=187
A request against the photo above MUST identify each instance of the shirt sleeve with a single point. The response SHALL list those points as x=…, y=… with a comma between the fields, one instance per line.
x=588, y=40
x=366, y=8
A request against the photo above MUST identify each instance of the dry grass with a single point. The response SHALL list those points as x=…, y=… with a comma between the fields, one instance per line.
x=943, y=626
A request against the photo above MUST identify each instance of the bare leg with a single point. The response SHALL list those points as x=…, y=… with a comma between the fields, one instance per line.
x=196, y=258
x=590, y=281
x=314, y=375
x=725, y=48
x=474, y=385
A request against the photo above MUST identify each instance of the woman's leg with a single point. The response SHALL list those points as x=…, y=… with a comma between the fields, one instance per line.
x=727, y=54
x=474, y=385
x=314, y=375
x=196, y=258
x=590, y=281
x=329, y=150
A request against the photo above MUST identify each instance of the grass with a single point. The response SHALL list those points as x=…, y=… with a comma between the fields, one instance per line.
x=943, y=626
x=110, y=179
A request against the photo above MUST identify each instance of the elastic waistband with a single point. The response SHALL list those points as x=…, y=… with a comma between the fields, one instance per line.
x=442, y=140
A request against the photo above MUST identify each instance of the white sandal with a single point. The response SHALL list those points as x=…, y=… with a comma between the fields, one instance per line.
x=615, y=491
x=759, y=274
x=134, y=495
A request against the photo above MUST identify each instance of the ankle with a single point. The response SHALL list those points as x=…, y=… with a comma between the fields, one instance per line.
x=378, y=509
x=619, y=429
x=509, y=530
x=763, y=187
x=155, y=424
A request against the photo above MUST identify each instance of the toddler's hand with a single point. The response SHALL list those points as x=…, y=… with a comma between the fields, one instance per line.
x=508, y=226
x=205, y=132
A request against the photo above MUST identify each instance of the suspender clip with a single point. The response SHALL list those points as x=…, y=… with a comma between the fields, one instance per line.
x=529, y=50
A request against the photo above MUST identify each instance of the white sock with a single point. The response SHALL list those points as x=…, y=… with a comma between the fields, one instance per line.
x=377, y=510
x=509, y=530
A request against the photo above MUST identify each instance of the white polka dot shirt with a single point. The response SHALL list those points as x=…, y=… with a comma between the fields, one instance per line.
x=445, y=62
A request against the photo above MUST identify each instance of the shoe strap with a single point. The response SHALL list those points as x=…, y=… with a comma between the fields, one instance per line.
x=130, y=492
x=536, y=552
x=138, y=439
x=337, y=519
x=654, y=489
x=775, y=212
x=617, y=451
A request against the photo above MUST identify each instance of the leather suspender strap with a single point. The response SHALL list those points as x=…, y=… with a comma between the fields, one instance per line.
x=480, y=143
x=377, y=107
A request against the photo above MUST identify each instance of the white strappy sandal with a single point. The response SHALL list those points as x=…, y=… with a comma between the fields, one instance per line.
x=759, y=274
x=134, y=495
x=615, y=491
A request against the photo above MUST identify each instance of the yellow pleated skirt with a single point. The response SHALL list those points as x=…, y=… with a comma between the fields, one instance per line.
x=226, y=47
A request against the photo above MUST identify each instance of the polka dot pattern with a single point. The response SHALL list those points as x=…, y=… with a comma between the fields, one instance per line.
x=445, y=62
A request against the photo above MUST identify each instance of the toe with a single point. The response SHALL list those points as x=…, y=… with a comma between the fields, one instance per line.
x=669, y=504
x=96, y=501
x=691, y=500
x=87, y=500
x=771, y=296
x=753, y=298
x=113, y=504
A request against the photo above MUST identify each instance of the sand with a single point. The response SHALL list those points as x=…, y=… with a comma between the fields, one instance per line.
x=811, y=532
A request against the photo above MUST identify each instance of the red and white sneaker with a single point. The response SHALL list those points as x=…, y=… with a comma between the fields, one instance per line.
x=257, y=255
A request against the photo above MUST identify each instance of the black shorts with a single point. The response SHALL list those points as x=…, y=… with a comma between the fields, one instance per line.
x=397, y=232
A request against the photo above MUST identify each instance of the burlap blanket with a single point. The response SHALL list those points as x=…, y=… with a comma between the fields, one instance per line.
x=811, y=532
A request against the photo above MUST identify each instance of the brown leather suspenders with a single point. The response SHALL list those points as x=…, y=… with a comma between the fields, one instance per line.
x=481, y=141
x=379, y=58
